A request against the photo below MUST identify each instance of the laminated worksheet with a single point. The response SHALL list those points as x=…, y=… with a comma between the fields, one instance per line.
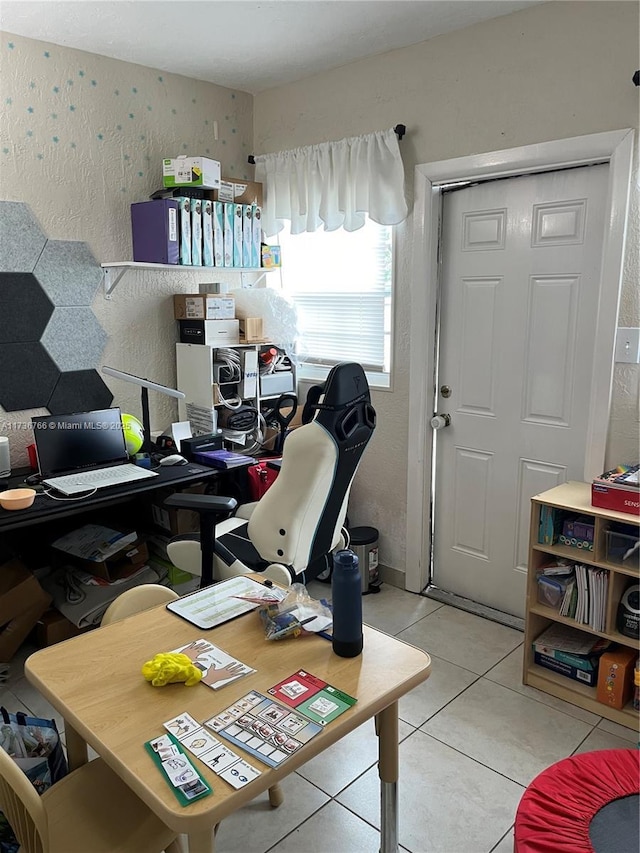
x=220, y=602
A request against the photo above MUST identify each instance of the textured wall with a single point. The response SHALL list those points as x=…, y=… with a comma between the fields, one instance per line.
x=81, y=138
x=549, y=72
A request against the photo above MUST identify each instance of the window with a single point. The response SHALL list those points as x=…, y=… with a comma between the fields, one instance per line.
x=341, y=283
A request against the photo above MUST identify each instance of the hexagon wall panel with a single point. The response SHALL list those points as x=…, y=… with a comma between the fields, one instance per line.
x=29, y=376
x=21, y=238
x=79, y=391
x=74, y=339
x=50, y=339
x=25, y=309
x=68, y=273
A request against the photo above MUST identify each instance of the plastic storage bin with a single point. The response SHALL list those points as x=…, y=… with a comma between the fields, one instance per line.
x=623, y=549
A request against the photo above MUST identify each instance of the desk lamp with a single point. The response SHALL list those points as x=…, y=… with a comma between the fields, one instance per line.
x=145, y=384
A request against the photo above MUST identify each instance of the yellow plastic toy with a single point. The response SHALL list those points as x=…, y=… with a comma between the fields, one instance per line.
x=170, y=668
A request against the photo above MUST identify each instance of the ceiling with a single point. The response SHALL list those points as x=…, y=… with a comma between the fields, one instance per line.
x=243, y=44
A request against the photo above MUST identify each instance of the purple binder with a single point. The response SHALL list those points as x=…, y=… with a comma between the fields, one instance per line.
x=154, y=228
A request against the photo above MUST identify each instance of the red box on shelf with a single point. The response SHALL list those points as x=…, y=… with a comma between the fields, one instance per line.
x=620, y=498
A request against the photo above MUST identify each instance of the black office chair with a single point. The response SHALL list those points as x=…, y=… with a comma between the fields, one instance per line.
x=300, y=518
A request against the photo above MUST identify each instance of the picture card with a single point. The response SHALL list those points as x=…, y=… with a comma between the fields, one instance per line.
x=240, y=774
x=181, y=726
x=316, y=699
x=296, y=688
x=199, y=742
x=218, y=668
x=220, y=758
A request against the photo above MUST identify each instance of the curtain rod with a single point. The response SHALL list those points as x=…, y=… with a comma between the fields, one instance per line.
x=400, y=130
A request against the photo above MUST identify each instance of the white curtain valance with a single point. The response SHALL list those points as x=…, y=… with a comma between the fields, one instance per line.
x=335, y=184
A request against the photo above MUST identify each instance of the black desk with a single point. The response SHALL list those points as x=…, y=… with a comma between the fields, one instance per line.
x=45, y=508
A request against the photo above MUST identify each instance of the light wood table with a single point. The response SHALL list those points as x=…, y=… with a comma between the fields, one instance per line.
x=94, y=681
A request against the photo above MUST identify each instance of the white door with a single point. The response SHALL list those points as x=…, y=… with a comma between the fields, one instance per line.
x=519, y=299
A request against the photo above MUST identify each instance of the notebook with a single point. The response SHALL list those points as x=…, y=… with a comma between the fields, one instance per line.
x=84, y=451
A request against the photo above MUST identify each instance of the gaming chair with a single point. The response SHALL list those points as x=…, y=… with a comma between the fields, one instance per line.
x=300, y=517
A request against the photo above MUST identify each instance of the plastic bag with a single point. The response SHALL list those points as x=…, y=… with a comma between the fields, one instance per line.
x=34, y=744
x=295, y=614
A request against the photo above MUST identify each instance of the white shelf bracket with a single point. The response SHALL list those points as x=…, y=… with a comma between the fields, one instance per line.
x=250, y=284
x=112, y=276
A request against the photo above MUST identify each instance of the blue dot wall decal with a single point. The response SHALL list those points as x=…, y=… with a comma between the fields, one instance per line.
x=69, y=82
x=46, y=54
x=174, y=111
x=193, y=100
x=184, y=144
x=29, y=133
x=160, y=79
x=224, y=141
x=131, y=115
x=5, y=150
x=55, y=139
x=207, y=151
x=100, y=136
x=11, y=45
x=94, y=82
x=226, y=118
x=30, y=109
x=40, y=156
x=126, y=156
x=80, y=73
x=149, y=108
x=116, y=91
x=8, y=101
x=233, y=130
x=140, y=174
x=32, y=85
x=233, y=97
x=73, y=145
x=142, y=137
x=56, y=89
x=72, y=109
x=54, y=115
x=118, y=127
x=206, y=121
x=232, y=168
x=134, y=90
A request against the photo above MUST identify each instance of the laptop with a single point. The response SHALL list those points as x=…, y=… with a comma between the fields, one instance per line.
x=84, y=451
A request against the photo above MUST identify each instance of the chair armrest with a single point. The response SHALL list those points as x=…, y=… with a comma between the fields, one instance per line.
x=202, y=503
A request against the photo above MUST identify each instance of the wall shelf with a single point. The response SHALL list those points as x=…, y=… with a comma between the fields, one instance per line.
x=116, y=270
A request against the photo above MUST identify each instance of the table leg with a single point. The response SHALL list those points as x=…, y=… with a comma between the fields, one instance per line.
x=76, y=748
x=387, y=731
x=201, y=842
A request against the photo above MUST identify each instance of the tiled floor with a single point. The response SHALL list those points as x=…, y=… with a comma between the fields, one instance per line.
x=472, y=737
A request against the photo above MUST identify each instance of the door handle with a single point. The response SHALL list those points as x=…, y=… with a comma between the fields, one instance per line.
x=440, y=421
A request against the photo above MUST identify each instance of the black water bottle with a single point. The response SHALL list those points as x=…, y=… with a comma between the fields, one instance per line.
x=346, y=591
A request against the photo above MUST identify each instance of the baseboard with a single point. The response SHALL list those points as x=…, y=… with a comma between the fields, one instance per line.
x=393, y=577
x=475, y=608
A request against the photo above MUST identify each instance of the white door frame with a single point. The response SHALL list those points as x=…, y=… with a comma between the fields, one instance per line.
x=612, y=147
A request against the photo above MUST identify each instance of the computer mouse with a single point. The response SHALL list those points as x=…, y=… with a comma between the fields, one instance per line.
x=174, y=459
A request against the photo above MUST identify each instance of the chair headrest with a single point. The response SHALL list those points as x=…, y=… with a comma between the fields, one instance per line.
x=343, y=405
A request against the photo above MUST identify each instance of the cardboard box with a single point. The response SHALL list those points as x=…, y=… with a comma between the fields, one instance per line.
x=615, y=677
x=53, y=627
x=620, y=498
x=280, y=382
x=191, y=172
x=120, y=565
x=203, y=306
x=154, y=229
x=22, y=602
x=217, y=333
x=238, y=192
x=251, y=330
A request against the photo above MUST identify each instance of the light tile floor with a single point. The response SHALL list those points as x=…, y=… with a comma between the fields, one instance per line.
x=472, y=737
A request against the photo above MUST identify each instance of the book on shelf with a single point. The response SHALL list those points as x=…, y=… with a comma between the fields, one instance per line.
x=570, y=651
x=626, y=476
x=223, y=459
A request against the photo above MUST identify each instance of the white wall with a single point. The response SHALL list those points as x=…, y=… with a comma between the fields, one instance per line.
x=81, y=138
x=549, y=72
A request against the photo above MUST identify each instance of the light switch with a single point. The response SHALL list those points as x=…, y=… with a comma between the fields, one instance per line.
x=628, y=345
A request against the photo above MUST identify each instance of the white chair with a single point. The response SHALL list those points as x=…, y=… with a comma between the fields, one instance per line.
x=136, y=599
x=89, y=811
x=300, y=518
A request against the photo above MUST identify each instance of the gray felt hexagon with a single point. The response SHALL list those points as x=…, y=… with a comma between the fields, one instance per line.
x=24, y=307
x=21, y=238
x=28, y=376
x=68, y=273
x=74, y=339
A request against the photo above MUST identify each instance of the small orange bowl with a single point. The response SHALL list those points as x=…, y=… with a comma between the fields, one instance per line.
x=17, y=498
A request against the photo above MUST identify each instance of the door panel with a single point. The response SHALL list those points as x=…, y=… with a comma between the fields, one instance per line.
x=520, y=272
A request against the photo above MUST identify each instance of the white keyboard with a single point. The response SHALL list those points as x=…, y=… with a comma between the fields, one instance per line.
x=101, y=478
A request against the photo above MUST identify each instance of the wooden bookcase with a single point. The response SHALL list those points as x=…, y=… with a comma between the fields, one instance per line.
x=576, y=498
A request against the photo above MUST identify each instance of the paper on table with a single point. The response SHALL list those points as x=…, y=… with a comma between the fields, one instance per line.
x=218, y=668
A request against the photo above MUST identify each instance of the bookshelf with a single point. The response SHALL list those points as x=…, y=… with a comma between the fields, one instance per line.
x=575, y=498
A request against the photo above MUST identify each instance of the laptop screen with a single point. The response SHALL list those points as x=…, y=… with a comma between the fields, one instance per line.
x=67, y=443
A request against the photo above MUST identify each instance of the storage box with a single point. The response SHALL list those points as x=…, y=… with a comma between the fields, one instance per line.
x=615, y=677
x=201, y=306
x=22, y=602
x=238, y=192
x=191, y=172
x=172, y=520
x=251, y=330
x=276, y=383
x=154, y=230
x=620, y=498
x=119, y=563
x=270, y=256
x=217, y=333
x=196, y=232
x=623, y=549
